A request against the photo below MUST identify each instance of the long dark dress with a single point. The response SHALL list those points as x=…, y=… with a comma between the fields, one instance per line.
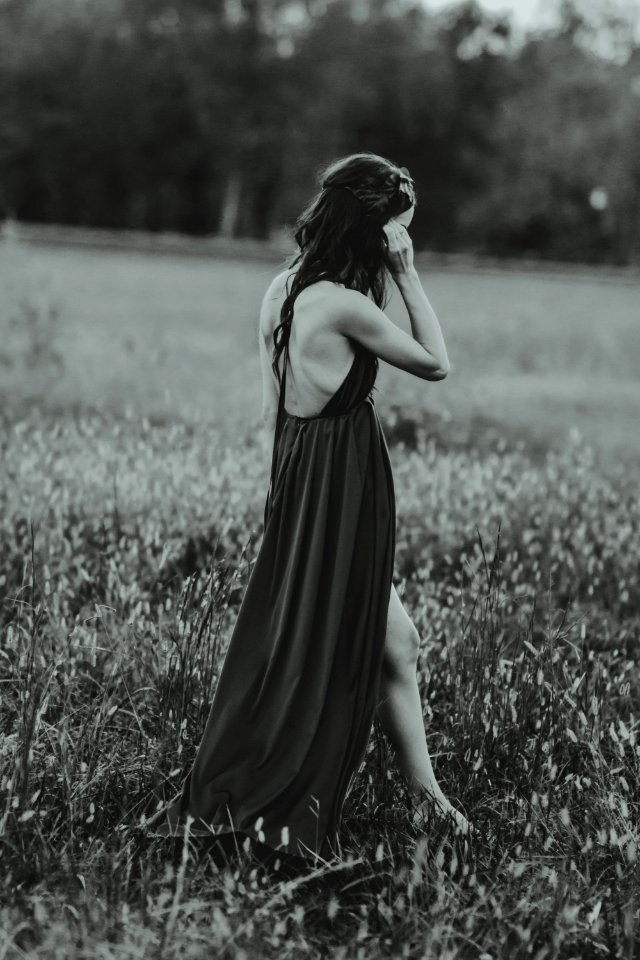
x=295, y=701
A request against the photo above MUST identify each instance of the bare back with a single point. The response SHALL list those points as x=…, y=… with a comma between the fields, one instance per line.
x=319, y=358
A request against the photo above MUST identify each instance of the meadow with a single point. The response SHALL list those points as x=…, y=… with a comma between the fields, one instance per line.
x=132, y=485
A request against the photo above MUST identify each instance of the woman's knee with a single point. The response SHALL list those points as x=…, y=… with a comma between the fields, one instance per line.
x=401, y=650
x=402, y=640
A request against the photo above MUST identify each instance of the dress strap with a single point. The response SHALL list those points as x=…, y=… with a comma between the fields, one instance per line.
x=278, y=429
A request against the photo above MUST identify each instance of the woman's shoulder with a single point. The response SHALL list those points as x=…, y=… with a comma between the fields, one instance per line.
x=277, y=288
x=272, y=301
x=323, y=298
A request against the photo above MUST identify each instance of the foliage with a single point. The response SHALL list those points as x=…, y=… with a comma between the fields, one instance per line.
x=125, y=552
x=213, y=117
x=30, y=308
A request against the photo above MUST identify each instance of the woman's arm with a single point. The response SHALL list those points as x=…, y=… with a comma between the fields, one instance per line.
x=269, y=385
x=269, y=400
x=424, y=354
x=424, y=322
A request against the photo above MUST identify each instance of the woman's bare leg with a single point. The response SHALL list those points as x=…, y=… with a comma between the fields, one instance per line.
x=400, y=712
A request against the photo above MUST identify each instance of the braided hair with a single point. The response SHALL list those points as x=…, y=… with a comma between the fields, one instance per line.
x=340, y=236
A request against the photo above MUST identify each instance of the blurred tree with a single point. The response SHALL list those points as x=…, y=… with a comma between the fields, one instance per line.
x=214, y=115
x=565, y=129
x=388, y=78
x=239, y=90
x=608, y=28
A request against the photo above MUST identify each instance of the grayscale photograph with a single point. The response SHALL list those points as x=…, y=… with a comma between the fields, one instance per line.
x=319, y=479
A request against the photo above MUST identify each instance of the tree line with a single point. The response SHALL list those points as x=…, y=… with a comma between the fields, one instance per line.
x=213, y=116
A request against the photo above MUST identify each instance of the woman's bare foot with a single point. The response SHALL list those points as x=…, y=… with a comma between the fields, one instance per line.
x=439, y=803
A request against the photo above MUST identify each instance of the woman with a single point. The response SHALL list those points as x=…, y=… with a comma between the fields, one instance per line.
x=322, y=640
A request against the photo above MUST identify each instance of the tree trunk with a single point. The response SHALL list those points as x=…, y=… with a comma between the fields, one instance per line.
x=230, y=206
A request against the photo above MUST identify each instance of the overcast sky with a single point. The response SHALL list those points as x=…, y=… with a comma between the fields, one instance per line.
x=533, y=14
x=526, y=13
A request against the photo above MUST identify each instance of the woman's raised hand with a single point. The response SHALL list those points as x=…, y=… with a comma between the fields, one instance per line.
x=399, y=247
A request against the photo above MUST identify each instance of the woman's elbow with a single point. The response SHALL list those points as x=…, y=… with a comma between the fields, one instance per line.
x=438, y=374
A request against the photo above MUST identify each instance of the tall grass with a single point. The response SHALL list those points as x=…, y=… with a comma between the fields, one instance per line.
x=126, y=549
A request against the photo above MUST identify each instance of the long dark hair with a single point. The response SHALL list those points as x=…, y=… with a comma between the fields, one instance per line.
x=340, y=232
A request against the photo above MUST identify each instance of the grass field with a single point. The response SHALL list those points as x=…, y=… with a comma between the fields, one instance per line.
x=174, y=338
x=132, y=485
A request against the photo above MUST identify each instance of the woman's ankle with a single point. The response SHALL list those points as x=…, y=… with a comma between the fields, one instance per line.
x=427, y=796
